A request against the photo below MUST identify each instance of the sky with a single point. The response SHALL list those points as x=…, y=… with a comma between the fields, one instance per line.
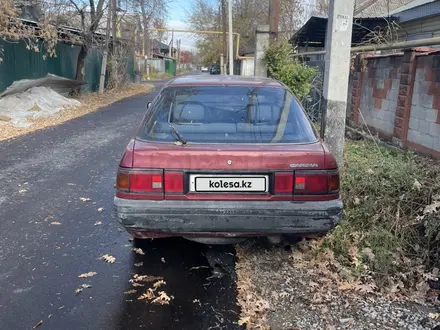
x=176, y=20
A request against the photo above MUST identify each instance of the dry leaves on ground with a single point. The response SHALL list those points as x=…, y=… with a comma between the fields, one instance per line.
x=139, y=251
x=82, y=287
x=130, y=291
x=254, y=307
x=97, y=223
x=85, y=199
x=55, y=223
x=150, y=295
x=89, y=274
x=90, y=103
x=108, y=258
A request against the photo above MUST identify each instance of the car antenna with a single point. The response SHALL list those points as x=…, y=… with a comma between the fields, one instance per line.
x=179, y=136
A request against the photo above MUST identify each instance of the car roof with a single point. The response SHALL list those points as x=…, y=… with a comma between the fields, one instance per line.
x=223, y=80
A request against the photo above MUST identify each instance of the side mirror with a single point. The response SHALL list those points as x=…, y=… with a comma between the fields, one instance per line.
x=148, y=105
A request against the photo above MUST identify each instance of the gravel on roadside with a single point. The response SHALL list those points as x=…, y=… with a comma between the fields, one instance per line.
x=276, y=292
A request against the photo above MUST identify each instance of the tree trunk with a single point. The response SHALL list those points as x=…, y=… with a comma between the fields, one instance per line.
x=80, y=67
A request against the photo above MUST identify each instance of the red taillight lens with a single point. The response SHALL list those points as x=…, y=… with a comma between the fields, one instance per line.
x=174, y=182
x=283, y=183
x=146, y=182
x=316, y=183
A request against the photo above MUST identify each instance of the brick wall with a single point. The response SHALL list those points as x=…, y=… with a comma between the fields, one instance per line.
x=398, y=97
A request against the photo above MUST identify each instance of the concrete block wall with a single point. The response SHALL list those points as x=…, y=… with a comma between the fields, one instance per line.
x=379, y=93
x=398, y=97
x=424, y=121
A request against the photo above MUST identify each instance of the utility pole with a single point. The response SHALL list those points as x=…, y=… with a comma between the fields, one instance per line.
x=114, y=22
x=337, y=70
x=105, y=55
x=225, y=44
x=178, y=54
x=171, y=54
x=231, y=42
x=274, y=18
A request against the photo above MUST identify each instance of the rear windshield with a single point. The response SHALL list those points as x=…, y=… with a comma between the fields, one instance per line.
x=227, y=114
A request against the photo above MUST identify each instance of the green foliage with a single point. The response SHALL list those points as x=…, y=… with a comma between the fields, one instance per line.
x=281, y=66
x=386, y=196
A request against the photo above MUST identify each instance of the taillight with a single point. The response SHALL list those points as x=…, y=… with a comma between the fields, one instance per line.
x=140, y=181
x=283, y=183
x=146, y=182
x=173, y=182
x=316, y=182
x=149, y=182
x=123, y=181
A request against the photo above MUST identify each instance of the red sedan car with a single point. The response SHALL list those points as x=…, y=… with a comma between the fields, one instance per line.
x=221, y=158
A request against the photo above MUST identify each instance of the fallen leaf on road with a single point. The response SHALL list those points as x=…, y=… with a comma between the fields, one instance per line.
x=84, y=199
x=78, y=291
x=198, y=267
x=108, y=258
x=48, y=217
x=89, y=274
x=100, y=209
x=38, y=324
x=135, y=285
x=196, y=301
x=55, y=223
x=162, y=259
x=97, y=223
x=130, y=291
x=163, y=299
x=85, y=286
x=139, y=264
x=21, y=191
x=147, y=295
x=159, y=283
x=49, y=316
x=139, y=251
x=144, y=278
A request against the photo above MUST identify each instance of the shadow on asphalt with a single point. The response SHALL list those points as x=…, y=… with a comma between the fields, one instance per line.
x=200, y=278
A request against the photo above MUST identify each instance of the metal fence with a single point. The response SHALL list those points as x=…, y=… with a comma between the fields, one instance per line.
x=313, y=104
x=20, y=63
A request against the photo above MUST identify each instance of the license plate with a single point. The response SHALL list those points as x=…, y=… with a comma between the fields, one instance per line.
x=240, y=183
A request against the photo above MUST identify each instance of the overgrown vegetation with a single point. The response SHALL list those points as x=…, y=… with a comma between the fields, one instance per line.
x=283, y=67
x=389, y=236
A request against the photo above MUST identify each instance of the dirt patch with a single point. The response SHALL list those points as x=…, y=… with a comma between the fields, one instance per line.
x=90, y=103
x=278, y=289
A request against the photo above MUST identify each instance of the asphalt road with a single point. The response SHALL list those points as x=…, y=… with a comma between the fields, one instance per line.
x=43, y=175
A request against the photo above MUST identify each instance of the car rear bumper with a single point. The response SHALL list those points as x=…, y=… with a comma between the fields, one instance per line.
x=238, y=218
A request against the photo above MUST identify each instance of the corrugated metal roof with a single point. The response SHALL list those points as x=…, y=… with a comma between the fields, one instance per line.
x=412, y=4
x=372, y=8
x=423, y=11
